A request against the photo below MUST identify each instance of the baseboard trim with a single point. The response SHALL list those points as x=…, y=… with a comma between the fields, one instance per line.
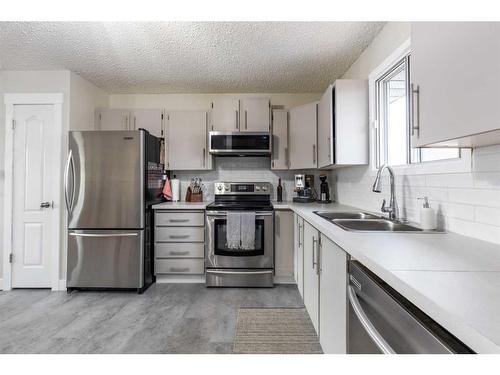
x=284, y=280
x=180, y=279
x=1, y=284
x=62, y=285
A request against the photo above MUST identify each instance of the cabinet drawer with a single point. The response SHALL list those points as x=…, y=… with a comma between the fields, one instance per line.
x=179, y=234
x=180, y=266
x=179, y=250
x=180, y=218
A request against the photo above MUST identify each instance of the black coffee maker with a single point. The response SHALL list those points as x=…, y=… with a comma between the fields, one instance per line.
x=324, y=190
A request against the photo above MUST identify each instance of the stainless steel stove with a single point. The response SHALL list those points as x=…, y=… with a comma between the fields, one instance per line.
x=227, y=267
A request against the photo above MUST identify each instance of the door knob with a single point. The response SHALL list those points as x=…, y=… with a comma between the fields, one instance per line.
x=47, y=204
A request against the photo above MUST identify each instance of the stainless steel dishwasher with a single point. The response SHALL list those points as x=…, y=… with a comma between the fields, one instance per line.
x=381, y=320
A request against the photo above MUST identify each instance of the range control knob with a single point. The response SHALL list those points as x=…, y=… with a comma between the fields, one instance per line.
x=257, y=188
x=264, y=188
x=219, y=188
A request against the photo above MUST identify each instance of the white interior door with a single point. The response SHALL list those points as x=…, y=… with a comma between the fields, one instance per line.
x=36, y=166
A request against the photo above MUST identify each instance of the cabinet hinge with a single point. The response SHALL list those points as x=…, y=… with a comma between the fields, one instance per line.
x=13, y=124
x=162, y=116
x=212, y=104
x=11, y=258
x=168, y=117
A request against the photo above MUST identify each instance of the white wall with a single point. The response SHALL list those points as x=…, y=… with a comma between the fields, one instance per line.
x=467, y=203
x=80, y=98
x=85, y=97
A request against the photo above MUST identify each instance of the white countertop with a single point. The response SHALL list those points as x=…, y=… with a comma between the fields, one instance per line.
x=452, y=278
x=181, y=206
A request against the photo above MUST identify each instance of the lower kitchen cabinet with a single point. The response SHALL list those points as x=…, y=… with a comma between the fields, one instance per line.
x=298, y=253
x=283, y=245
x=179, y=242
x=332, y=297
x=311, y=273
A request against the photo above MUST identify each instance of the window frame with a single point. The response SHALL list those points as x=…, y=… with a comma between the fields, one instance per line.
x=461, y=164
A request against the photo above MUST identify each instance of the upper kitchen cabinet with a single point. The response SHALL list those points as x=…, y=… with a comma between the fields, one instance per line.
x=302, y=127
x=255, y=114
x=186, y=141
x=343, y=124
x=149, y=119
x=279, y=159
x=455, y=75
x=225, y=115
x=112, y=119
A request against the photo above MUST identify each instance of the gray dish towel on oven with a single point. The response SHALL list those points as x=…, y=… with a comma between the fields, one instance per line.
x=233, y=230
x=248, y=230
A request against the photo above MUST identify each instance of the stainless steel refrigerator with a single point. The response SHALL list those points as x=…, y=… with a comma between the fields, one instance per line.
x=112, y=178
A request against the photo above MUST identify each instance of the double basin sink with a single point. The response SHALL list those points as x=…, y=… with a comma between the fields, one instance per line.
x=365, y=222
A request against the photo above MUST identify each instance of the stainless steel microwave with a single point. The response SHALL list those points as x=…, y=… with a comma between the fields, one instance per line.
x=239, y=143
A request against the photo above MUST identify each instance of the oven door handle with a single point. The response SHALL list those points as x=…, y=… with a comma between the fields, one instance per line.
x=257, y=214
x=220, y=272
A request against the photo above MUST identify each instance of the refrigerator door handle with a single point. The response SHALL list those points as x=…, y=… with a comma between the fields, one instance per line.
x=104, y=234
x=66, y=174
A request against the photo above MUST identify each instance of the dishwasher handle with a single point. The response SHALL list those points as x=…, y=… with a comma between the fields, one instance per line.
x=367, y=324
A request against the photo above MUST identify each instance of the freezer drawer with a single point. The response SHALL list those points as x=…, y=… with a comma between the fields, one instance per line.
x=179, y=234
x=180, y=218
x=179, y=266
x=180, y=250
x=105, y=259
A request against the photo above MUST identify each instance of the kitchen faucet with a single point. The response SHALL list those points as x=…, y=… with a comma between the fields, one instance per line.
x=377, y=188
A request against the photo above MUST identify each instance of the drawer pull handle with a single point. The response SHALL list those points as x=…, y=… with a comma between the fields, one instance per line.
x=179, y=236
x=179, y=252
x=178, y=220
x=176, y=269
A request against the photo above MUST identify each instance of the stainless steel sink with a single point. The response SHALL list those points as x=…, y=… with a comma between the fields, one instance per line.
x=366, y=222
x=375, y=225
x=345, y=215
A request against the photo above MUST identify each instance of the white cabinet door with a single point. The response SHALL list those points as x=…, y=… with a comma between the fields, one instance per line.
x=280, y=139
x=225, y=115
x=283, y=241
x=149, y=119
x=255, y=114
x=455, y=66
x=333, y=297
x=186, y=140
x=298, y=238
x=112, y=119
x=311, y=274
x=325, y=129
x=302, y=129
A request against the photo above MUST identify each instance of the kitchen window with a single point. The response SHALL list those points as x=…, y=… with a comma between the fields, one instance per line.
x=391, y=114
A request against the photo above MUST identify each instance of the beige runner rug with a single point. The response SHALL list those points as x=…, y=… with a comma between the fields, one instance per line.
x=275, y=331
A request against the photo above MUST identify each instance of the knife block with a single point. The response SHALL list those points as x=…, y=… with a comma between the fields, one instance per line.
x=190, y=197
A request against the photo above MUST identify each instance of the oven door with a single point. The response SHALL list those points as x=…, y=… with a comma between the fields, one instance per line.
x=218, y=255
x=238, y=143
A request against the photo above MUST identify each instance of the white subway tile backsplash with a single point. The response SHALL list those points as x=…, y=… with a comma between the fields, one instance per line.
x=487, y=215
x=483, y=197
x=487, y=180
x=457, y=180
x=466, y=203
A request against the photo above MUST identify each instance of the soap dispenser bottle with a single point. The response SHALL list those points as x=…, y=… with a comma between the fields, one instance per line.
x=427, y=215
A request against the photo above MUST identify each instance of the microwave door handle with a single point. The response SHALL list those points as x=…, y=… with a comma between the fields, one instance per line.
x=368, y=325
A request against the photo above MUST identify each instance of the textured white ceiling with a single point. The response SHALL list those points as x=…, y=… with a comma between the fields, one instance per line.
x=190, y=57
